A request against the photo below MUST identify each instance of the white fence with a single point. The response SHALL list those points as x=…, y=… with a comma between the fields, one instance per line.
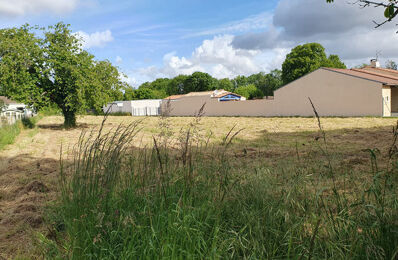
x=9, y=117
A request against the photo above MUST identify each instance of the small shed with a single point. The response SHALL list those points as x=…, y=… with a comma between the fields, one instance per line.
x=145, y=107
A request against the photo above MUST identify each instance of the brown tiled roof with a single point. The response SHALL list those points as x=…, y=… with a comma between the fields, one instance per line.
x=202, y=93
x=174, y=97
x=375, y=74
x=7, y=101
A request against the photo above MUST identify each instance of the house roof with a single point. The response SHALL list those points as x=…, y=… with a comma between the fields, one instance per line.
x=202, y=93
x=174, y=97
x=7, y=101
x=226, y=93
x=384, y=76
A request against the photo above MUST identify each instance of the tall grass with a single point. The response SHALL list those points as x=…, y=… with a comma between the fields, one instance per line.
x=185, y=198
x=8, y=133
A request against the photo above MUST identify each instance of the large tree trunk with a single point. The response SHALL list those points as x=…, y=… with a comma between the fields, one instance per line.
x=70, y=118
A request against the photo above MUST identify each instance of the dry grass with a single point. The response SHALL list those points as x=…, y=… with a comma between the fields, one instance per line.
x=29, y=168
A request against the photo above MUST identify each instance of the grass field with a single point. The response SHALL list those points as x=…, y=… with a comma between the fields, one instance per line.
x=275, y=190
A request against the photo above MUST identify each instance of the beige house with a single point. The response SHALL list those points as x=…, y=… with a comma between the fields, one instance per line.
x=370, y=91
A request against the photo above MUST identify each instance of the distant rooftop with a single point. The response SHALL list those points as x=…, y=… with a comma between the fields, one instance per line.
x=382, y=75
x=8, y=101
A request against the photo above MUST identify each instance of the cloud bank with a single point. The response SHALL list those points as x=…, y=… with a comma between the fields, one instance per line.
x=264, y=40
x=97, y=39
x=14, y=8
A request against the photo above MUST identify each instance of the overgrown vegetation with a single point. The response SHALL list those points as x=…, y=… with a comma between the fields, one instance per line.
x=8, y=133
x=186, y=198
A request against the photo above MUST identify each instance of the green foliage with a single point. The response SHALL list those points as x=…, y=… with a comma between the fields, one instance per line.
x=306, y=58
x=21, y=63
x=54, y=69
x=176, y=85
x=249, y=91
x=122, y=202
x=8, y=133
x=225, y=84
x=391, y=65
x=390, y=11
x=50, y=110
x=199, y=81
x=28, y=122
x=2, y=105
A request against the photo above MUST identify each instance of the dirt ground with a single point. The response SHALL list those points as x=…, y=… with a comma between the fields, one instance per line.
x=29, y=168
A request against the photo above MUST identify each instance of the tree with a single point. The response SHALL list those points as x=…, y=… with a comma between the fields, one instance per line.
x=390, y=9
x=55, y=69
x=144, y=93
x=199, y=81
x=176, y=85
x=273, y=81
x=225, y=84
x=129, y=94
x=306, y=58
x=249, y=91
x=391, y=65
x=21, y=63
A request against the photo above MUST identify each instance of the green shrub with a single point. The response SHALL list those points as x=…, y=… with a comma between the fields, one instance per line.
x=120, y=114
x=28, y=122
x=51, y=110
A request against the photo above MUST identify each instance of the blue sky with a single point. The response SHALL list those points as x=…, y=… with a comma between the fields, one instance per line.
x=157, y=38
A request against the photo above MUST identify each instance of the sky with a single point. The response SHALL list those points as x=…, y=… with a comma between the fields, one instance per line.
x=148, y=39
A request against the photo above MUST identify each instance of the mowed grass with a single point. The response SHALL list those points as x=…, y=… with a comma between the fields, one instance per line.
x=259, y=188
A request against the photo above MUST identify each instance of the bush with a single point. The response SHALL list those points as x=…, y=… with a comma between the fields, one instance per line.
x=120, y=114
x=51, y=110
x=28, y=122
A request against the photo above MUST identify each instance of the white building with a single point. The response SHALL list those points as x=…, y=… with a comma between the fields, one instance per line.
x=145, y=107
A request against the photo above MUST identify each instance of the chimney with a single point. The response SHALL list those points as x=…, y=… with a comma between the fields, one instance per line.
x=374, y=63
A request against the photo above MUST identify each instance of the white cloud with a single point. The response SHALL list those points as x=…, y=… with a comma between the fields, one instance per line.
x=255, y=22
x=218, y=58
x=13, y=8
x=97, y=39
x=342, y=28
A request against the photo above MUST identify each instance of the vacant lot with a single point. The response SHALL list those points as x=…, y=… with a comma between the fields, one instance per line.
x=29, y=169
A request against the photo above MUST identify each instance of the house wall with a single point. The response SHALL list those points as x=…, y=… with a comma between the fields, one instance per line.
x=118, y=107
x=394, y=99
x=333, y=94
x=150, y=107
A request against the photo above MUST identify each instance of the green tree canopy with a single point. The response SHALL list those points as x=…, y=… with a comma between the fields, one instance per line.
x=306, y=58
x=199, y=81
x=391, y=65
x=55, y=69
x=225, y=84
x=249, y=91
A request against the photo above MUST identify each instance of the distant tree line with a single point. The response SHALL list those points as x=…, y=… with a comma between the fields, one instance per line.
x=254, y=86
x=300, y=61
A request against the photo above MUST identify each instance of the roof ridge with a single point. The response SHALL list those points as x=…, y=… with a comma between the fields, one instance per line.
x=375, y=74
x=389, y=70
